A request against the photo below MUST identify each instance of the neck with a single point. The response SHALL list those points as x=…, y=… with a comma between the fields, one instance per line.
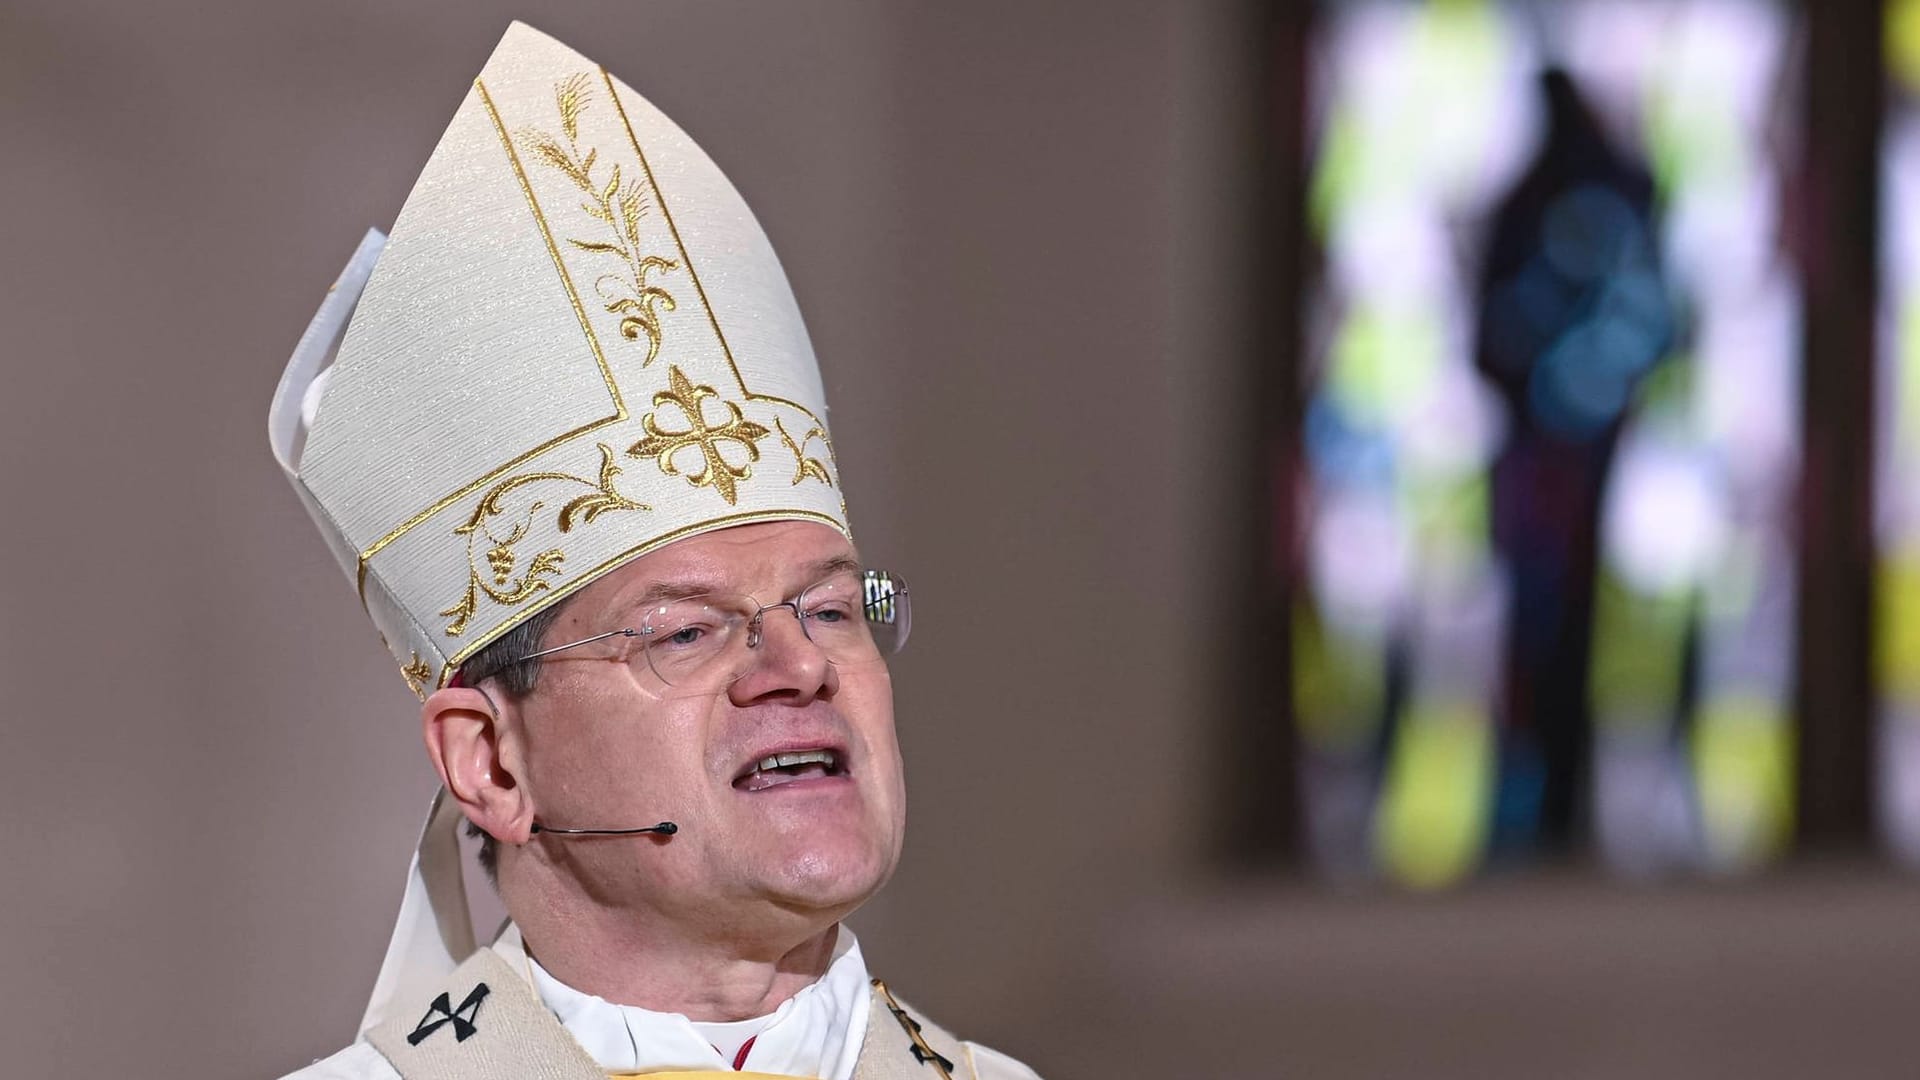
x=640, y=958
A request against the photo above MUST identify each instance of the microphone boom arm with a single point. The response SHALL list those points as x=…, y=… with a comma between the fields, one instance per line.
x=665, y=828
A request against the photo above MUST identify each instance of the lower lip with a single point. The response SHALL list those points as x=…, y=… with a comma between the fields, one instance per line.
x=807, y=784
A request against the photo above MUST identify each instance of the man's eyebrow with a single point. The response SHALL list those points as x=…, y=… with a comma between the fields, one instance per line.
x=836, y=565
x=671, y=590
x=662, y=591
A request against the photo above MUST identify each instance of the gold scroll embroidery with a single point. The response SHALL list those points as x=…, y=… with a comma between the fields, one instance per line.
x=620, y=206
x=504, y=582
x=804, y=466
x=416, y=672
x=661, y=444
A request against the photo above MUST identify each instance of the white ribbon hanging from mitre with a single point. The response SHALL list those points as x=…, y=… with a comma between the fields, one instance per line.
x=576, y=345
x=434, y=931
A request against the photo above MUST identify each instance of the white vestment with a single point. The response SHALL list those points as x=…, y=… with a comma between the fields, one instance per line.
x=823, y=1032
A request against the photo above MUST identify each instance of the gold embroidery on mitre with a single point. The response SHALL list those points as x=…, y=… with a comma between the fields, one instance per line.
x=505, y=582
x=416, y=672
x=804, y=466
x=662, y=444
x=618, y=205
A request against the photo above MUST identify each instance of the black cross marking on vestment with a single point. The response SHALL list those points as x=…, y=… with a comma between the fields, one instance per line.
x=923, y=1053
x=442, y=1012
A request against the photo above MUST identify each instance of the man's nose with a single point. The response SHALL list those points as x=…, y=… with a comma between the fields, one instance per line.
x=782, y=661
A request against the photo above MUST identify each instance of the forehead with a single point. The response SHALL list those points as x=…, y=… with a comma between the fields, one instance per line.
x=768, y=560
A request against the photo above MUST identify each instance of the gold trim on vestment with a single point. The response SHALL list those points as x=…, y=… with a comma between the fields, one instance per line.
x=923, y=1051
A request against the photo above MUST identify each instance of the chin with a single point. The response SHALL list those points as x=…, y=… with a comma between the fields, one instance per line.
x=835, y=880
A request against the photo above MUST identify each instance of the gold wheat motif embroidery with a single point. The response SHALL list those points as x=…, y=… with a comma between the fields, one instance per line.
x=804, y=466
x=505, y=581
x=620, y=205
x=661, y=443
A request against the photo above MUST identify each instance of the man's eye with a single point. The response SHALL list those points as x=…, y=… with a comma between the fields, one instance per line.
x=685, y=636
x=830, y=614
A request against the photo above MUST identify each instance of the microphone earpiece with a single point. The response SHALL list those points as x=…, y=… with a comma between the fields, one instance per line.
x=665, y=828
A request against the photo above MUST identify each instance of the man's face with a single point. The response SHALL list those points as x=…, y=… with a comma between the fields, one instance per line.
x=608, y=746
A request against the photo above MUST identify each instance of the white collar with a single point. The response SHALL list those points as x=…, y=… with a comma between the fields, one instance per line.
x=815, y=1033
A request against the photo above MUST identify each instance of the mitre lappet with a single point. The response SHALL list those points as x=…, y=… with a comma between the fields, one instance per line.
x=576, y=345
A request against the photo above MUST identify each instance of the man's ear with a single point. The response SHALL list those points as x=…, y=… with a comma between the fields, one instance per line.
x=477, y=756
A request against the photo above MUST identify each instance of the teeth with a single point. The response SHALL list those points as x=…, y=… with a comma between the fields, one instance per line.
x=781, y=761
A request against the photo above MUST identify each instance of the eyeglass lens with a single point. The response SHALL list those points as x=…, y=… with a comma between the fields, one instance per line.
x=851, y=617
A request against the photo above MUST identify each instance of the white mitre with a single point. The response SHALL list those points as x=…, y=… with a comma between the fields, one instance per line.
x=576, y=346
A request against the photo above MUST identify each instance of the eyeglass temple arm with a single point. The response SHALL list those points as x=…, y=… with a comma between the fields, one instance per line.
x=623, y=632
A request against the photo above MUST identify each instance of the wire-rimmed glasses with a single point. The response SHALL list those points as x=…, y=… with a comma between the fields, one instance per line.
x=708, y=640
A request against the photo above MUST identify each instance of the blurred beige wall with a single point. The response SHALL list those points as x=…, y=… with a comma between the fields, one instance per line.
x=1015, y=230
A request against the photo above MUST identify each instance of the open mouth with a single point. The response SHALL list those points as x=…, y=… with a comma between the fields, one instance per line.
x=790, y=767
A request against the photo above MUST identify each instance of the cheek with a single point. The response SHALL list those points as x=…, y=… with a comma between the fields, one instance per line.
x=599, y=743
x=870, y=705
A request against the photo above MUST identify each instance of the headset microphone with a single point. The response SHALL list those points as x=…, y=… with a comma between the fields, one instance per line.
x=665, y=828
